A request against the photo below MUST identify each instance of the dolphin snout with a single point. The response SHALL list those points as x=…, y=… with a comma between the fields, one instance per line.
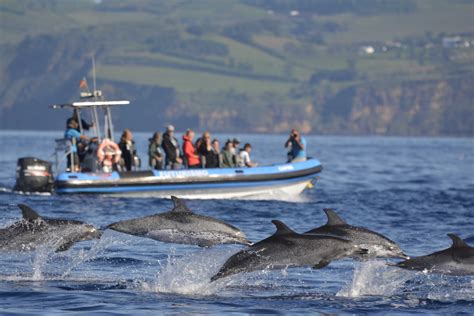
x=94, y=233
x=242, y=239
x=404, y=256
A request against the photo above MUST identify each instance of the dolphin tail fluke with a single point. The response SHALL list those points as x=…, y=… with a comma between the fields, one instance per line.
x=333, y=218
x=28, y=213
x=179, y=205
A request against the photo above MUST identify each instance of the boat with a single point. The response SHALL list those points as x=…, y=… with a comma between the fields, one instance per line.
x=287, y=179
x=37, y=175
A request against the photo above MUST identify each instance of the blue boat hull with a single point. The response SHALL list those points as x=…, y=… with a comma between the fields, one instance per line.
x=195, y=183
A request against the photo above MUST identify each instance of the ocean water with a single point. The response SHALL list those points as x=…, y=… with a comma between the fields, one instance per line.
x=413, y=190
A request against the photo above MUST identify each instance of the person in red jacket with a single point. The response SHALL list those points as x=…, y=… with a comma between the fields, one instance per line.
x=190, y=151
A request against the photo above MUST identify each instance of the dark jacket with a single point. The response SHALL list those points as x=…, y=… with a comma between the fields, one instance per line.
x=171, y=147
x=128, y=154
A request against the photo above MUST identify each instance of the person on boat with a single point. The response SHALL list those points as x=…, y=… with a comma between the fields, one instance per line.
x=228, y=156
x=75, y=116
x=171, y=147
x=109, y=155
x=90, y=162
x=77, y=141
x=236, y=151
x=129, y=152
x=189, y=151
x=297, y=151
x=156, y=155
x=204, y=149
x=245, y=160
x=214, y=158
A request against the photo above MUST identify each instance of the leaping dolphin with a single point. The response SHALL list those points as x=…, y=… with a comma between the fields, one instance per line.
x=182, y=226
x=286, y=248
x=455, y=260
x=376, y=244
x=34, y=231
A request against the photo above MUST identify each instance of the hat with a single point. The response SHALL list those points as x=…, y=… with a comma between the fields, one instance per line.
x=236, y=141
x=170, y=128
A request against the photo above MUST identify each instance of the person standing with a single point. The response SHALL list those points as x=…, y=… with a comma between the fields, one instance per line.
x=204, y=149
x=244, y=154
x=129, y=152
x=171, y=147
x=189, y=150
x=228, y=156
x=75, y=138
x=156, y=155
x=297, y=151
x=214, y=158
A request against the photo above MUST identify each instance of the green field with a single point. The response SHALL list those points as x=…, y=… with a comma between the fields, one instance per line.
x=188, y=81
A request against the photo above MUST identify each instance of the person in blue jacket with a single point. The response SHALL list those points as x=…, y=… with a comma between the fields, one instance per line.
x=298, y=147
x=75, y=137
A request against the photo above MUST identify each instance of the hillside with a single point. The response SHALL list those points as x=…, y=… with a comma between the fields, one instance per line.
x=327, y=66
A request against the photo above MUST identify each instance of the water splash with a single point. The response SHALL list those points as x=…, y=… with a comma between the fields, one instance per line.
x=98, y=247
x=189, y=274
x=374, y=278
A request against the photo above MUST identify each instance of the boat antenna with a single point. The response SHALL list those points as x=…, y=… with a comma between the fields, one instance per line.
x=93, y=74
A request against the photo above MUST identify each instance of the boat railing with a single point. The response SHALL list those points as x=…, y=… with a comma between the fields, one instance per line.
x=62, y=150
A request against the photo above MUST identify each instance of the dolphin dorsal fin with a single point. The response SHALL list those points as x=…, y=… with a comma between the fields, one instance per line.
x=282, y=228
x=333, y=218
x=457, y=241
x=179, y=206
x=28, y=213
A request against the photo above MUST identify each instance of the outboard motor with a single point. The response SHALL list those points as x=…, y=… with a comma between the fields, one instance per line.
x=33, y=175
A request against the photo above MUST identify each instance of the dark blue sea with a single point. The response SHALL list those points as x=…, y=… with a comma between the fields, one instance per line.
x=413, y=190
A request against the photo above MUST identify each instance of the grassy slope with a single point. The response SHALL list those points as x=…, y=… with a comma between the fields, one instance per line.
x=21, y=18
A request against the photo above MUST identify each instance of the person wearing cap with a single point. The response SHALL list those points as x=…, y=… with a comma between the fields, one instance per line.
x=75, y=116
x=244, y=154
x=297, y=151
x=189, y=150
x=75, y=137
x=171, y=147
x=235, y=151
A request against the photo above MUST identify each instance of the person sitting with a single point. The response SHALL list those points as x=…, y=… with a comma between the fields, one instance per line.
x=129, y=152
x=171, y=147
x=297, y=151
x=228, y=156
x=76, y=139
x=189, y=150
x=156, y=155
x=214, y=158
x=245, y=160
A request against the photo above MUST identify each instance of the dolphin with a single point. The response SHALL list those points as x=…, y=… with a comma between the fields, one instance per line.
x=455, y=260
x=376, y=244
x=33, y=231
x=286, y=248
x=182, y=226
